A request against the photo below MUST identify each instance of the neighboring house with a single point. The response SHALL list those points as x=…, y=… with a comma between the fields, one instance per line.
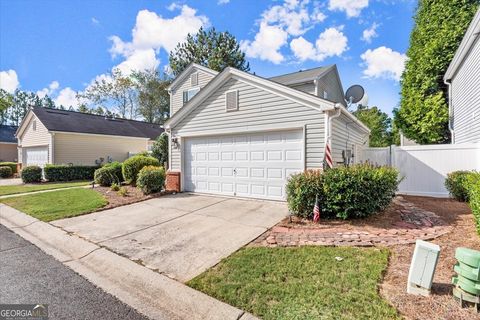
x=8, y=143
x=463, y=78
x=243, y=135
x=53, y=136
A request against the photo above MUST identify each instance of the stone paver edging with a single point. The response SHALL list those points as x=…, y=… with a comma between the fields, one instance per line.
x=415, y=224
x=153, y=294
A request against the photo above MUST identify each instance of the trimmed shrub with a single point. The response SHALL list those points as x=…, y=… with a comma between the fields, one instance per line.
x=344, y=192
x=68, y=173
x=31, y=174
x=132, y=166
x=5, y=172
x=12, y=165
x=456, y=185
x=151, y=179
x=472, y=184
x=302, y=189
x=109, y=174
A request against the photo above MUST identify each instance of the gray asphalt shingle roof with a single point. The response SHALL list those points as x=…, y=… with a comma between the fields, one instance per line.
x=72, y=121
x=7, y=133
x=300, y=76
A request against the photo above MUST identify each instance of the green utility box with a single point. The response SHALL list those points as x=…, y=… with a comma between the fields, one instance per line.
x=467, y=280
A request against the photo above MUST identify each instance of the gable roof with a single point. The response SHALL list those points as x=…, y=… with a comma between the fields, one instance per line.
x=472, y=34
x=302, y=76
x=298, y=96
x=186, y=72
x=7, y=134
x=76, y=122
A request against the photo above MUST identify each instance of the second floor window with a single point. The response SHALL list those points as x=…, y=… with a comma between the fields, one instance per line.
x=189, y=94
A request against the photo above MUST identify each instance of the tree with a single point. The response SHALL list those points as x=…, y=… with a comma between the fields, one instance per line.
x=439, y=28
x=378, y=122
x=160, y=148
x=6, y=102
x=115, y=92
x=212, y=49
x=152, y=97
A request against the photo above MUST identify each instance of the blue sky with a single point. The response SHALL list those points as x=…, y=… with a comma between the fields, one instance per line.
x=59, y=47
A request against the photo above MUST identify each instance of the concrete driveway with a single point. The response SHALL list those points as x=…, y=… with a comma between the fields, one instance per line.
x=179, y=235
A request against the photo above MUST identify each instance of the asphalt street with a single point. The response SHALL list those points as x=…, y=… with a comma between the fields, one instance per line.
x=29, y=276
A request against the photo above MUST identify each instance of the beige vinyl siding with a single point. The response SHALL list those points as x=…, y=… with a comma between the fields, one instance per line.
x=346, y=134
x=8, y=152
x=34, y=138
x=258, y=110
x=84, y=149
x=465, y=97
x=305, y=87
x=38, y=137
x=177, y=93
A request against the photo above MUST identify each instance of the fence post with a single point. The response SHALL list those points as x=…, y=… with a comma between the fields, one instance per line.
x=392, y=155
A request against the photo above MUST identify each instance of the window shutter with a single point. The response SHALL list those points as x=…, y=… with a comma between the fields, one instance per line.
x=194, y=79
x=231, y=100
x=185, y=97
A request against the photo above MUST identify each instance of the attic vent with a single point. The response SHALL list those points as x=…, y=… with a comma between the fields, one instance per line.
x=194, y=79
x=231, y=100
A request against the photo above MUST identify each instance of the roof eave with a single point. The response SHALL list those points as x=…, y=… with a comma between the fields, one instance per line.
x=468, y=40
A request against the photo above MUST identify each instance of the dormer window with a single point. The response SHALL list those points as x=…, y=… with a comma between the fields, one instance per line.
x=189, y=94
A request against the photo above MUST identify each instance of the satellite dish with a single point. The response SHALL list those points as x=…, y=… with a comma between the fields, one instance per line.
x=364, y=100
x=354, y=94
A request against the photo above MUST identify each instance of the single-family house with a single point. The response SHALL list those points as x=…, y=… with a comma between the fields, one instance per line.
x=8, y=143
x=238, y=134
x=463, y=80
x=53, y=136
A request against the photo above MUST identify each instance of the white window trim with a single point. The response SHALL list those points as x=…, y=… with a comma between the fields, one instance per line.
x=238, y=104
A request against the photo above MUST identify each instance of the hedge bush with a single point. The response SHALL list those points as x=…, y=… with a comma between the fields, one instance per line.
x=472, y=184
x=5, y=172
x=12, y=165
x=132, y=166
x=68, y=173
x=151, y=179
x=31, y=174
x=109, y=174
x=456, y=185
x=344, y=192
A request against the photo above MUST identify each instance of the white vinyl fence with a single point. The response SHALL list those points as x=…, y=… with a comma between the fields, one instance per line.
x=424, y=168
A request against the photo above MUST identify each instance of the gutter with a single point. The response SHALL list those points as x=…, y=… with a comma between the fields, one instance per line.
x=330, y=118
x=448, y=82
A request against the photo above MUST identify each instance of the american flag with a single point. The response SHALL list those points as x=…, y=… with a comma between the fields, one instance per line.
x=316, y=211
x=328, y=155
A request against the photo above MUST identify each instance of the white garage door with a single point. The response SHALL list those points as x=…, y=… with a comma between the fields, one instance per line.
x=35, y=156
x=248, y=165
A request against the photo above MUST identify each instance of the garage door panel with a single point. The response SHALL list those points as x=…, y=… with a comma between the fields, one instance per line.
x=248, y=165
x=35, y=156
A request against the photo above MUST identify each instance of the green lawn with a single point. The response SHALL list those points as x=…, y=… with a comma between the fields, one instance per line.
x=301, y=283
x=59, y=204
x=5, y=190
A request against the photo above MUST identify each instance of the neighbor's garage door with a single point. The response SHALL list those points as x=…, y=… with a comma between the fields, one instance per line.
x=35, y=156
x=248, y=165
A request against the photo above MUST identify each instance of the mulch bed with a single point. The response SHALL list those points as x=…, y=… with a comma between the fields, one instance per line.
x=441, y=304
x=134, y=195
x=401, y=223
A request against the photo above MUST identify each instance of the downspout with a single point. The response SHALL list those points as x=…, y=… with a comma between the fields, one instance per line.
x=448, y=82
x=329, y=128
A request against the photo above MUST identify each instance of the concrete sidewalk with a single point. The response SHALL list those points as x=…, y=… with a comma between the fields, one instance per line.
x=151, y=293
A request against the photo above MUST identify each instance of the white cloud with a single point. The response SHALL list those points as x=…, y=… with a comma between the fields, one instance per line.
x=9, y=80
x=383, y=62
x=67, y=97
x=152, y=33
x=370, y=33
x=220, y=2
x=95, y=21
x=351, y=7
x=291, y=18
x=267, y=44
x=50, y=90
x=331, y=42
